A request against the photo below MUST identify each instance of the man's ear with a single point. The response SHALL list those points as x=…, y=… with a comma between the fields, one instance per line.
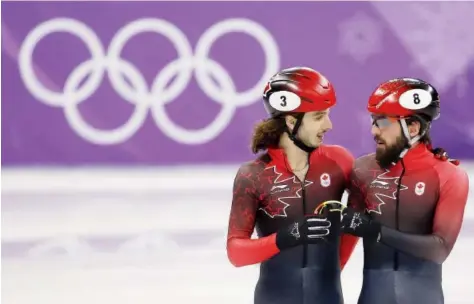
x=414, y=128
x=290, y=122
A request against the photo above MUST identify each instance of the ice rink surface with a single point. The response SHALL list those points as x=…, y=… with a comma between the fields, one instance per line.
x=146, y=236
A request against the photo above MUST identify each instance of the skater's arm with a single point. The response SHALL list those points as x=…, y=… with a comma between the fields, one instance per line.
x=357, y=189
x=447, y=223
x=241, y=249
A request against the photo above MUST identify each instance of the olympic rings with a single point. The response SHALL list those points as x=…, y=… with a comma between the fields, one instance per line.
x=137, y=93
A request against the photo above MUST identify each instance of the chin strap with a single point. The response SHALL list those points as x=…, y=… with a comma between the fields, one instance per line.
x=292, y=134
x=411, y=141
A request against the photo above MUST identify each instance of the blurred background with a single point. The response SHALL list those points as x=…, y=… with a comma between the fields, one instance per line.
x=123, y=125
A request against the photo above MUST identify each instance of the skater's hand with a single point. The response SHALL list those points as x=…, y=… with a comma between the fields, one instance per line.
x=359, y=224
x=311, y=229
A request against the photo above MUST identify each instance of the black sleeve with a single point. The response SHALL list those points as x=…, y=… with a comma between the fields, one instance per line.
x=430, y=247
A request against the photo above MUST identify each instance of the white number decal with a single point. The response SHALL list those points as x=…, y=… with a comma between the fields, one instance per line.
x=284, y=101
x=415, y=99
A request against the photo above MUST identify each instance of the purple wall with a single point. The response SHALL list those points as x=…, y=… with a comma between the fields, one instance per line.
x=182, y=99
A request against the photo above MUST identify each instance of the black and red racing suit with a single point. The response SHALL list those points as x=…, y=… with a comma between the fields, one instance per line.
x=268, y=196
x=420, y=204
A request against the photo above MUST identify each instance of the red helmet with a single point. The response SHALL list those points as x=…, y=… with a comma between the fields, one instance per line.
x=298, y=90
x=405, y=97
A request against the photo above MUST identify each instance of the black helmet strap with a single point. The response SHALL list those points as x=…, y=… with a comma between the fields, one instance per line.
x=425, y=125
x=294, y=132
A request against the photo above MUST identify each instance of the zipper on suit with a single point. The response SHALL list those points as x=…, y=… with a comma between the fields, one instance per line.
x=305, y=246
x=303, y=194
x=396, y=257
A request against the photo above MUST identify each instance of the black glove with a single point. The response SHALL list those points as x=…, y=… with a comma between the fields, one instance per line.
x=312, y=229
x=359, y=224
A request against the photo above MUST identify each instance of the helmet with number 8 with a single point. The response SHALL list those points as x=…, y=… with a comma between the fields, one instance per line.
x=298, y=90
x=404, y=97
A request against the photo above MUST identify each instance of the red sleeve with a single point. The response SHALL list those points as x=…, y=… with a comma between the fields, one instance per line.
x=241, y=249
x=345, y=160
x=450, y=209
x=447, y=222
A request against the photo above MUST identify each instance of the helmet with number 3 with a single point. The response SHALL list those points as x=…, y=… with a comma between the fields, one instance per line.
x=298, y=90
x=403, y=97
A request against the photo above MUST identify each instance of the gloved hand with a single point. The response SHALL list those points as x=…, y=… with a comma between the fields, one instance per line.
x=359, y=224
x=311, y=229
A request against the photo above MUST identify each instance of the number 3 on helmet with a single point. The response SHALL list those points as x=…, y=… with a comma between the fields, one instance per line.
x=298, y=90
x=403, y=97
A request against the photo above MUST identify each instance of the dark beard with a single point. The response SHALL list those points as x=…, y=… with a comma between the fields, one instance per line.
x=391, y=154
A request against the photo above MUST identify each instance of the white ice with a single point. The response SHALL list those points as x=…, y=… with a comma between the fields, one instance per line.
x=54, y=209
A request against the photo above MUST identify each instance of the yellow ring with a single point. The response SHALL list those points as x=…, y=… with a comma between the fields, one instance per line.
x=318, y=209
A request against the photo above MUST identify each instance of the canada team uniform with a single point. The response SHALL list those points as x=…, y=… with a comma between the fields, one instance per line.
x=409, y=214
x=297, y=266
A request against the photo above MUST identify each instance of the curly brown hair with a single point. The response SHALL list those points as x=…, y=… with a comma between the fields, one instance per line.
x=267, y=133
